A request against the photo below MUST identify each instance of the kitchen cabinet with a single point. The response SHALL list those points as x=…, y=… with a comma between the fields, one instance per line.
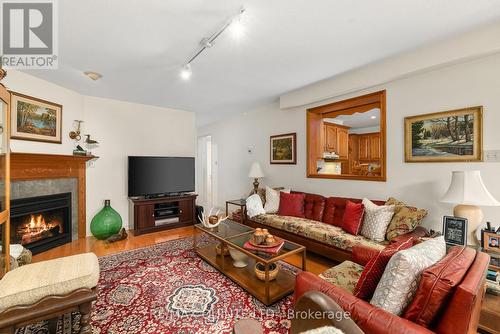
x=336, y=139
x=374, y=140
x=330, y=138
x=342, y=143
x=370, y=147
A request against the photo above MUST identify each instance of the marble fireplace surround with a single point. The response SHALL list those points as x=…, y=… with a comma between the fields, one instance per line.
x=34, y=174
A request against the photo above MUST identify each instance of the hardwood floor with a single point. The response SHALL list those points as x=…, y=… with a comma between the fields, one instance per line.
x=315, y=263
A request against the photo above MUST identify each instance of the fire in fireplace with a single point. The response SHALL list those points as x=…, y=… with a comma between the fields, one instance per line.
x=40, y=223
x=37, y=227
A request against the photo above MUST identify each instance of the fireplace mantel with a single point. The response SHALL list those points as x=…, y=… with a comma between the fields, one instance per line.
x=36, y=166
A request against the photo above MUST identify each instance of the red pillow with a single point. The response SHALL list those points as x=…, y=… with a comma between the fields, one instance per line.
x=291, y=205
x=372, y=273
x=353, y=217
x=437, y=284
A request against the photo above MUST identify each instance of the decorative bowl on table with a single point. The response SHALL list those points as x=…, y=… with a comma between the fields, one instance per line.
x=240, y=260
x=262, y=238
x=260, y=271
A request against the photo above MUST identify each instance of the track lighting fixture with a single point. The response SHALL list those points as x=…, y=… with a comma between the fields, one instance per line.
x=236, y=29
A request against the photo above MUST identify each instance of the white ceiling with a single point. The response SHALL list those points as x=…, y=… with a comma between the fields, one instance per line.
x=139, y=46
x=367, y=119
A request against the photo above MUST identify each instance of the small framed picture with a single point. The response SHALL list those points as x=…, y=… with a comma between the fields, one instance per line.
x=455, y=230
x=491, y=242
x=284, y=149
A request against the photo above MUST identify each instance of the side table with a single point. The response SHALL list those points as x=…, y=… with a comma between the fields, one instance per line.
x=490, y=315
x=241, y=203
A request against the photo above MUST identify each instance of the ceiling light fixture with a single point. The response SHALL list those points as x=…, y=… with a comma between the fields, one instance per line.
x=186, y=72
x=93, y=75
x=373, y=117
x=237, y=31
x=236, y=28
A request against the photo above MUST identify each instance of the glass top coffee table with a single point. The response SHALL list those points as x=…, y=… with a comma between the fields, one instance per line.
x=210, y=243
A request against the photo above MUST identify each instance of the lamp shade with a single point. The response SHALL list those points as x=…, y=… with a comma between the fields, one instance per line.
x=255, y=171
x=467, y=188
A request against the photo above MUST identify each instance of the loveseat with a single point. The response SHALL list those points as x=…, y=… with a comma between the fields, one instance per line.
x=320, y=230
x=459, y=314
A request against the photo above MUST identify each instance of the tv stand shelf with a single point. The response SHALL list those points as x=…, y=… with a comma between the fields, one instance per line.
x=163, y=213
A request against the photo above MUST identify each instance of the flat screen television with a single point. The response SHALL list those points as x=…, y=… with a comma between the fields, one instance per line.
x=152, y=176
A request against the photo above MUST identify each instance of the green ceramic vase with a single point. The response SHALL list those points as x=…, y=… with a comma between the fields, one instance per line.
x=106, y=222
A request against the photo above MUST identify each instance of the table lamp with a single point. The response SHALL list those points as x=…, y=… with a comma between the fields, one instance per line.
x=468, y=191
x=255, y=173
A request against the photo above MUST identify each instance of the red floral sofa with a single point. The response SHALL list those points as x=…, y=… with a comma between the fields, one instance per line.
x=320, y=231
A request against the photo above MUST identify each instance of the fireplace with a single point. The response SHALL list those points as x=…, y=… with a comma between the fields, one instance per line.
x=41, y=223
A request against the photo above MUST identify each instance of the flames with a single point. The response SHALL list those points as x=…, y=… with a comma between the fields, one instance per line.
x=37, y=228
x=37, y=222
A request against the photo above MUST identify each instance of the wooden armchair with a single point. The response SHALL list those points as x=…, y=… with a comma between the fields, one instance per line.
x=46, y=290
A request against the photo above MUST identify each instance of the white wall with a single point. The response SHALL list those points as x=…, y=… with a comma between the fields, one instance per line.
x=71, y=101
x=122, y=128
x=468, y=84
x=125, y=129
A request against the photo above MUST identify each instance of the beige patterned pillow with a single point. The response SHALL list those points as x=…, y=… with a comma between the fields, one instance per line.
x=406, y=219
x=376, y=220
x=262, y=193
x=273, y=199
x=399, y=282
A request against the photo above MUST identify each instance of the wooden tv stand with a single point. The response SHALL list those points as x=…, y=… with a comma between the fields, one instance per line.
x=163, y=213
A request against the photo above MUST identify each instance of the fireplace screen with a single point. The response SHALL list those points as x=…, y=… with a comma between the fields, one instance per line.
x=41, y=223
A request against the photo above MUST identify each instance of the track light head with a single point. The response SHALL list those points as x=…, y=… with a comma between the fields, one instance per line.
x=186, y=72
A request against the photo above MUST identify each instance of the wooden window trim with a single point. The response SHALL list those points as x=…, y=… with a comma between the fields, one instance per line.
x=350, y=106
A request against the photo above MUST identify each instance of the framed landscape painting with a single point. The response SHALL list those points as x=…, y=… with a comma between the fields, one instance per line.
x=35, y=119
x=284, y=149
x=449, y=136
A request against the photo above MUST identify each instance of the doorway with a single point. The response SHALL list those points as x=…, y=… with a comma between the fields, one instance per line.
x=206, y=172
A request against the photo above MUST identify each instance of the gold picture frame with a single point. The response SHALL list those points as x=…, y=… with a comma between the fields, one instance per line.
x=448, y=136
x=35, y=119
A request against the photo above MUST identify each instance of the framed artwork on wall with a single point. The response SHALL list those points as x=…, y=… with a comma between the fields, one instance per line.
x=455, y=230
x=35, y=119
x=283, y=149
x=449, y=136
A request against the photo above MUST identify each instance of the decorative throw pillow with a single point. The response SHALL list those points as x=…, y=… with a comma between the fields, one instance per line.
x=262, y=193
x=292, y=205
x=376, y=220
x=353, y=217
x=273, y=199
x=254, y=206
x=374, y=269
x=437, y=284
x=401, y=276
x=406, y=219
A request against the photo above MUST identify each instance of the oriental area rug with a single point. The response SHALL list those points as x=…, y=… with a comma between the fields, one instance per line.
x=167, y=288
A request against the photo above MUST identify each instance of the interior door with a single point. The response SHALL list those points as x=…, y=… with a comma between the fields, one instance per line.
x=4, y=180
